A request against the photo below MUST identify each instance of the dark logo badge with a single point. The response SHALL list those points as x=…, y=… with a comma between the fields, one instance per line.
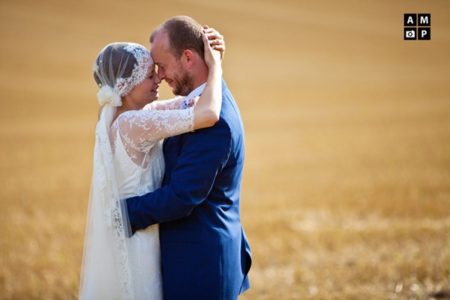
x=417, y=26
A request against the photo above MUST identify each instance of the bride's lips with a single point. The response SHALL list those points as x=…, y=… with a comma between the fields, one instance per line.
x=155, y=90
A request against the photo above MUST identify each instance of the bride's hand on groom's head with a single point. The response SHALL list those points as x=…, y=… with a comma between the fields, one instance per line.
x=212, y=57
x=215, y=39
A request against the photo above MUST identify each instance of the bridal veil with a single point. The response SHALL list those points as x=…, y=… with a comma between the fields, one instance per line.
x=105, y=272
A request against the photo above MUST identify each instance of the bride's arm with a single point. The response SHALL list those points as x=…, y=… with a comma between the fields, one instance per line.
x=142, y=126
x=207, y=109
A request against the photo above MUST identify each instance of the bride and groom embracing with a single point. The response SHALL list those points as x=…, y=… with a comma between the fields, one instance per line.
x=164, y=216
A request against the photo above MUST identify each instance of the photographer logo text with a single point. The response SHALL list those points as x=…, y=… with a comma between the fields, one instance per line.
x=417, y=27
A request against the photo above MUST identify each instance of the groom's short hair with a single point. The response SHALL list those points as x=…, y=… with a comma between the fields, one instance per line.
x=183, y=33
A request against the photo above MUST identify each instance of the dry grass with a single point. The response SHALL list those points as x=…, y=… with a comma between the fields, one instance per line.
x=347, y=179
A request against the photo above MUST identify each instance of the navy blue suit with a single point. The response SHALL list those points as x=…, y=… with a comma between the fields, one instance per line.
x=204, y=250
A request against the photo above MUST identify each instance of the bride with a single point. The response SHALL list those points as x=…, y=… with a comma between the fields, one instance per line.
x=128, y=161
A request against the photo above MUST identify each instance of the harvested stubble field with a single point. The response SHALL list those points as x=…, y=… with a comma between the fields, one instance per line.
x=346, y=193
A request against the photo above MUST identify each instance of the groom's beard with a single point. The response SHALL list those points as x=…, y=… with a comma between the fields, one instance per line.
x=183, y=84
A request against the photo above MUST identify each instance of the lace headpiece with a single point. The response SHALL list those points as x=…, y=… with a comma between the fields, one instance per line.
x=110, y=68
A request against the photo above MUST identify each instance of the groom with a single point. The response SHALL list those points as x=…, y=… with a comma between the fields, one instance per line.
x=204, y=250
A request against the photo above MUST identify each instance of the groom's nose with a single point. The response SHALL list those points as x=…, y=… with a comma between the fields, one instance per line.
x=161, y=74
x=157, y=79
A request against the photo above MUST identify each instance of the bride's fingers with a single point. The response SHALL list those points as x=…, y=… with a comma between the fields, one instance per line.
x=209, y=32
x=215, y=38
x=220, y=48
x=216, y=43
x=206, y=39
x=214, y=33
x=207, y=28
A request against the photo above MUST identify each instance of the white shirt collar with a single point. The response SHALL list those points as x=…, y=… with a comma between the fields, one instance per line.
x=196, y=92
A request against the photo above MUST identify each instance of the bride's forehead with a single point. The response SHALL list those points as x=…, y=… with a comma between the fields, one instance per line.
x=151, y=69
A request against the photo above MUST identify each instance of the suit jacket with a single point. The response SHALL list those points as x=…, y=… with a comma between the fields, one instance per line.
x=204, y=251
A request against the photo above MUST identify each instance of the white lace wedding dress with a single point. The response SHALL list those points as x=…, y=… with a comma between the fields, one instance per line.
x=136, y=138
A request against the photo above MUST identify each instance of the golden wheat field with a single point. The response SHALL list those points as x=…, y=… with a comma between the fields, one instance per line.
x=346, y=192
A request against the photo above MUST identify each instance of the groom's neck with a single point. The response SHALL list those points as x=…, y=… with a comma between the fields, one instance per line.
x=199, y=75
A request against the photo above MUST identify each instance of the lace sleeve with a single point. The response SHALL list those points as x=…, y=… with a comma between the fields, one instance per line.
x=174, y=103
x=140, y=129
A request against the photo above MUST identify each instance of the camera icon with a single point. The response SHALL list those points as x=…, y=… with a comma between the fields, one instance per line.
x=410, y=34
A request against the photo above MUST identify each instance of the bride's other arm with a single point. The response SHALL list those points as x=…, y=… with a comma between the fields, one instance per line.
x=207, y=109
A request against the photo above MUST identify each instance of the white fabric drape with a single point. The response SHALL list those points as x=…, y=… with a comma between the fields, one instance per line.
x=105, y=273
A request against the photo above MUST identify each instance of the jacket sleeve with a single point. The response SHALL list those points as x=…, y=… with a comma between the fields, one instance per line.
x=203, y=155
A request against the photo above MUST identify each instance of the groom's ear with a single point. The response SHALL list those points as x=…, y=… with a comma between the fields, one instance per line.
x=188, y=57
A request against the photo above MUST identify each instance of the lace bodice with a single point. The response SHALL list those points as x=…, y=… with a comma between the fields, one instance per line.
x=140, y=130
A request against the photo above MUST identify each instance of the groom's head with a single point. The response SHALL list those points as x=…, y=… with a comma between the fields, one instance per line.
x=177, y=50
